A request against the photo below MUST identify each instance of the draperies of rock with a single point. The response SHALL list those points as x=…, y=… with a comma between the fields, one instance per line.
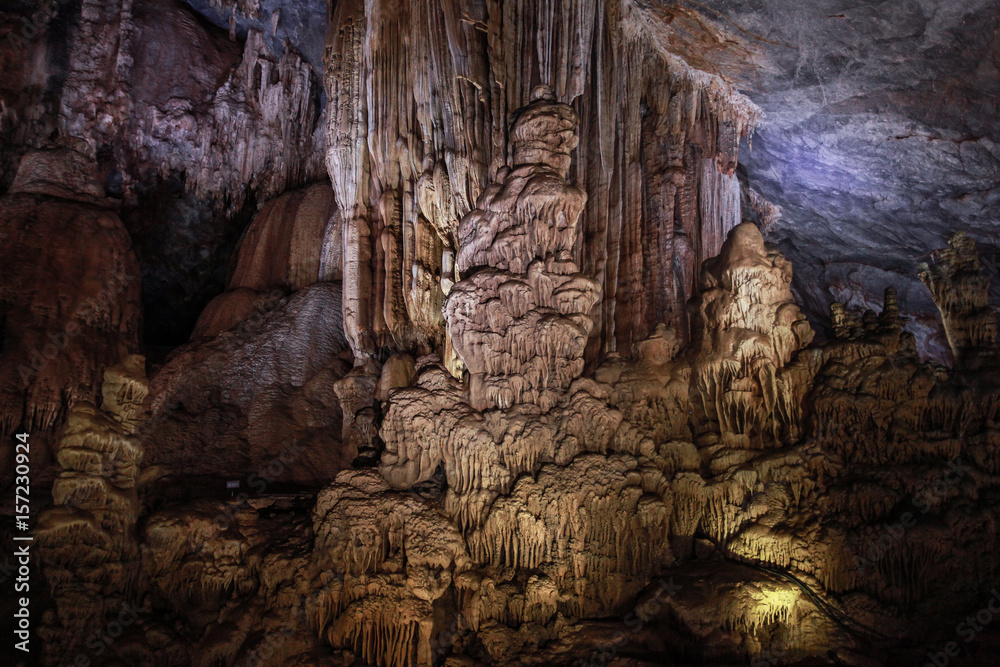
x=420, y=95
x=292, y=242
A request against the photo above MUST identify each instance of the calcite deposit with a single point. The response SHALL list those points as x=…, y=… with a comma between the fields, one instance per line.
x=486, y=334
x=86, y=540
x=519, y=318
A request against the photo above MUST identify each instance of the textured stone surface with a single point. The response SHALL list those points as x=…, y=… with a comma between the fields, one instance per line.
x=229, y=404
x=293, y=242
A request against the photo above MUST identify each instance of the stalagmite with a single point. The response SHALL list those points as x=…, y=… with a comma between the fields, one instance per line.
x=746, y=329
x=87, y=540
x=519, y=317
x=960, y=288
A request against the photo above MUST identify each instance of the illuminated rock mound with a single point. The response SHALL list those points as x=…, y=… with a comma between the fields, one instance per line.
x=269, y=378
x=746, y=330
x=87, y=540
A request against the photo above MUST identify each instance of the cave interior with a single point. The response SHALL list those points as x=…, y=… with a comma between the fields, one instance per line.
x=500, y=332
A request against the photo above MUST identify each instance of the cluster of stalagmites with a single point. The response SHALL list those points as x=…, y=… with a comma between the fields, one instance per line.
x=751, y=446
x=563, y=495
x=493, y=535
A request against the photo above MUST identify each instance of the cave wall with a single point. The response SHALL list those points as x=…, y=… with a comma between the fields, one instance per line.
x=192, y=124
x=880, y=139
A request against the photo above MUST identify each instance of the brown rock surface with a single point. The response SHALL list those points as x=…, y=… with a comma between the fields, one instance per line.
x=226, y=406
x=69, y=292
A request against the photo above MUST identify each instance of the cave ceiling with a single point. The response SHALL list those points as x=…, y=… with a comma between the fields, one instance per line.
x=879, y=138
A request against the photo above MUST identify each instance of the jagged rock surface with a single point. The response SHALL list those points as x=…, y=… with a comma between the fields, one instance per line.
x=191, y=126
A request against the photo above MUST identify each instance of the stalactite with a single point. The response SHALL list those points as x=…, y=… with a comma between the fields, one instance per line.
x=591, y=520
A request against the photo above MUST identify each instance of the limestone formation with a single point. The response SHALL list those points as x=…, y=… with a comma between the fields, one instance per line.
x=418, y=129
x=519, y=318
x=292, y=243
x=86, y=540
x=746, y=330
x=251, y=390
x=960, y=288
